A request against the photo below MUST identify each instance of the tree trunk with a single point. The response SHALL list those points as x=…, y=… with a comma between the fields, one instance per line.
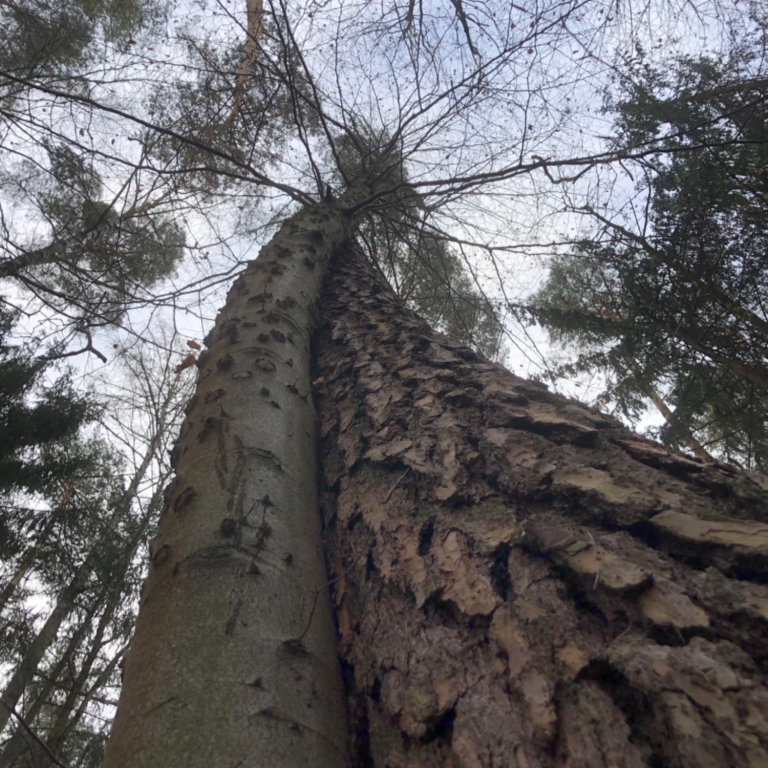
x=521, y=581
x=64, y=720
x=58, y=250
x=27, y=560
x=101, y=680
x=21, y=745
x=27, y=667
x=234, y=659
x=62, y=248
x=698, y=450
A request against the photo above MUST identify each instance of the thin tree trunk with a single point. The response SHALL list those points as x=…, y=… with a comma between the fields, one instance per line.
x=756, y=374
x=758, y=84
x=27, y=560
x=61, y=249
x=21, y=742
x=690, y=276
x=254, y=27
x=27, y=668
x=28, y=665
x=696, y=447
x=521, y=581
x=38, y=753
x=66, y=720
x=56, y=736
x=234, y=659
x=102, y=680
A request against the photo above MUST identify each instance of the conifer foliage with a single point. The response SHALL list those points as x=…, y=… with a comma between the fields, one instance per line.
x=674, y=301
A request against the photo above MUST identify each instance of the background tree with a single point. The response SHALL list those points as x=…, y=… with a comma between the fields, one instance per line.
x=421, y=263
x=70, y=617
x=674, y=301
x=40, y=451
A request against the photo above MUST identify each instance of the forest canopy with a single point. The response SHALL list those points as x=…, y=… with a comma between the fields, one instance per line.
x=669, y=296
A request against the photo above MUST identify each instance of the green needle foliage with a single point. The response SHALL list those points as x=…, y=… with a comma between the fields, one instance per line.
x=425, y=269
x=38, y=423
x=56, y=36
x=678, y=304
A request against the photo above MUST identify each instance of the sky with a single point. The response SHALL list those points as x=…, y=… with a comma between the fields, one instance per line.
x=545, y=66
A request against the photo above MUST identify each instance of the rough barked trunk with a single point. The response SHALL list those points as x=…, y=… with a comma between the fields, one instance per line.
x=520, y=581
x=234, y=658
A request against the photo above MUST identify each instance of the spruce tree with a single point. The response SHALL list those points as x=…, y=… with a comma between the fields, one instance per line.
x=676, y=302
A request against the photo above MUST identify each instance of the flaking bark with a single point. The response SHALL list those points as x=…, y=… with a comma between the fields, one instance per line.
x=521, y=581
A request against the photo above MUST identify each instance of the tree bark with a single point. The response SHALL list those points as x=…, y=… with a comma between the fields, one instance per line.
x=520, y=580
x=234, y=658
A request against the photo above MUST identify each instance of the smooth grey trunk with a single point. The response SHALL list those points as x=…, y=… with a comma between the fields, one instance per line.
x=29, y=663
x=234, y=660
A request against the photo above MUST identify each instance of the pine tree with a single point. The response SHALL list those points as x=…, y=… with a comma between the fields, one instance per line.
x=39, y=424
